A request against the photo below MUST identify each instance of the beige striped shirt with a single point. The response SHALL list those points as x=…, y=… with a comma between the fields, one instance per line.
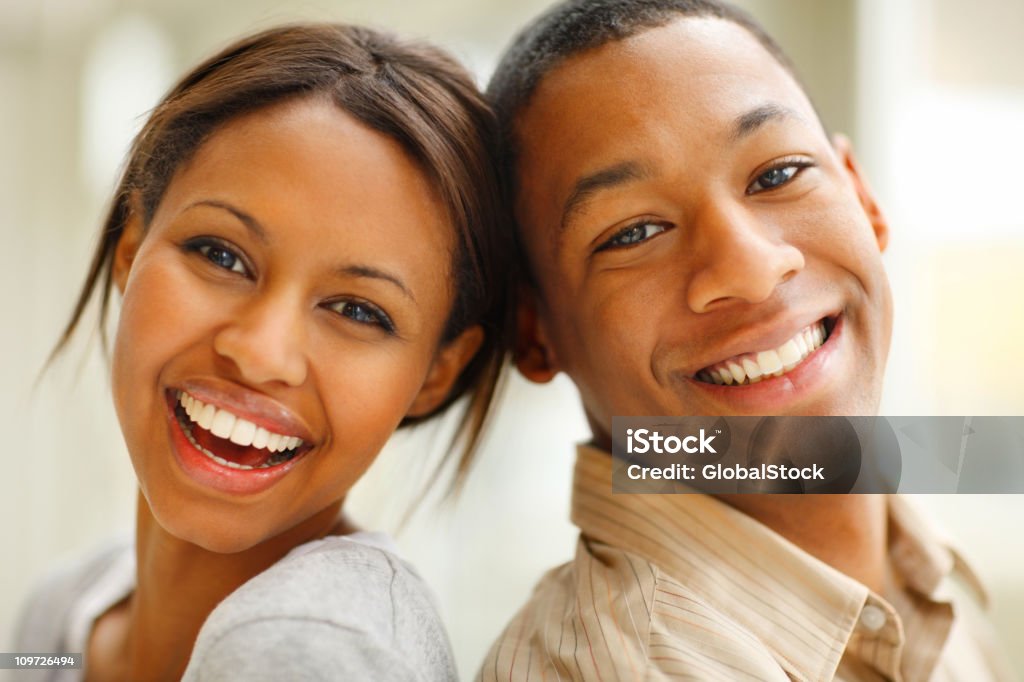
x=686, y=587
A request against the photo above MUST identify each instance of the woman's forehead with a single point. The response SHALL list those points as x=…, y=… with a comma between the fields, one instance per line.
x=308, y=172
x=315, y=150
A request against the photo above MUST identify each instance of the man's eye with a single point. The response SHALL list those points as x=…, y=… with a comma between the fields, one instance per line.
x=634, y=234
x=776, y=177
x=363, y=313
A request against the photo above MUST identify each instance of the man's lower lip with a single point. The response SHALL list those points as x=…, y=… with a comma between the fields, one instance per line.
x=774, y=394
x=208, y=473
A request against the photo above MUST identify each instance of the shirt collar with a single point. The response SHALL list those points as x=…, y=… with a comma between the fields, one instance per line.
x=804, y=610
x=923, y=555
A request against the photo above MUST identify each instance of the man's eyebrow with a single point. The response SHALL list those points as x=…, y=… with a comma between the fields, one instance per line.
x=606, y=178
x=250, y=222
x=374, y=273
x=748, y=122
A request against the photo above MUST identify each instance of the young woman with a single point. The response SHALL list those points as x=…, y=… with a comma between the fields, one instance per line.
x=306, y=243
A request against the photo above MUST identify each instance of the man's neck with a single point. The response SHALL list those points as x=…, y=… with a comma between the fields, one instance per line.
x=847, y=532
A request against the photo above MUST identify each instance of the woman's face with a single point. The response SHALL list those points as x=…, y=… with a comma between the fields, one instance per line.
x=281, y=314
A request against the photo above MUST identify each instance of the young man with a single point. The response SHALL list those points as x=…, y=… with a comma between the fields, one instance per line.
x=686, y=222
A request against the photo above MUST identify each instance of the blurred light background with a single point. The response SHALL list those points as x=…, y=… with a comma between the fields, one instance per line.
x=931, y=91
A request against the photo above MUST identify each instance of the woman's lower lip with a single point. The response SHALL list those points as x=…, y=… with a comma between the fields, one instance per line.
x=208, y=473
x=778, y=393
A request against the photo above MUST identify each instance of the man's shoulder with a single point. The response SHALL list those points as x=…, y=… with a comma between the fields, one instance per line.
x=611, y=610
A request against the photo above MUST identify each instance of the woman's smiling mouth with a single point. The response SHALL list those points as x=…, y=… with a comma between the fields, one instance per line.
x=219, y=448
x=750, y=368
x=230, y=440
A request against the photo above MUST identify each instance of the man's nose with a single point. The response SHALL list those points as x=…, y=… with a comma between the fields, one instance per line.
x=264, y=340
x=739, y=258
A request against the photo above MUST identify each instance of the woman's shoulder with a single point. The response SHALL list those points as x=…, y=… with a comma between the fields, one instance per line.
x=57, y=614
x=345, y=607
x=332, y=578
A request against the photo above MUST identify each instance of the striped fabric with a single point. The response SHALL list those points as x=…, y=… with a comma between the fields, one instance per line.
x=684, y=587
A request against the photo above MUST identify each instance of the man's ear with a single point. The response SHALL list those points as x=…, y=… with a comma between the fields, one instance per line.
x=534, y=356
x=844, y=149
x=128, y=243
x=448, y=364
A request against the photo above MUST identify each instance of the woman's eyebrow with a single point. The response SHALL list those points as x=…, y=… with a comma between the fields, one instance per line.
x=259, y=232
x=250, y=222
x=374, y=273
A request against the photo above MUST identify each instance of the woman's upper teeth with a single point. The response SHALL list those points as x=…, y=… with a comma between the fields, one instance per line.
x=750, y=368
x=224, y=424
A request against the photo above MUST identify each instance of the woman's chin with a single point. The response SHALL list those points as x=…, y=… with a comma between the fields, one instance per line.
x=208, y=532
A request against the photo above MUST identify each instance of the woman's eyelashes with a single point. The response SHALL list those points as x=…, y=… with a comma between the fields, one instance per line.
x=779, y=174
x=219, y=254
x=362, y=312
x=226, y=257
x=633, y=234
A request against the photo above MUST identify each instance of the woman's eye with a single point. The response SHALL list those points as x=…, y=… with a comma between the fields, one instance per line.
x=363, y=313
x=634, y=234
x=222, y=257
x=776, y=177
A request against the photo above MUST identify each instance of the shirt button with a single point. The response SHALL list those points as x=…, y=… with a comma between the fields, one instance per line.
x=872, y=618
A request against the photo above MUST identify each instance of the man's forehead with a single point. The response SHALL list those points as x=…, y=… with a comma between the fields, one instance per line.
x=690, y=59
x=696, y=79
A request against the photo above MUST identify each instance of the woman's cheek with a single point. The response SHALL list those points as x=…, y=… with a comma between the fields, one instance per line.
x=374, y=390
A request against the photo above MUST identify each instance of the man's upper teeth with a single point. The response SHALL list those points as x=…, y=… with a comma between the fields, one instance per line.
x=753, y=367
x=224, y=424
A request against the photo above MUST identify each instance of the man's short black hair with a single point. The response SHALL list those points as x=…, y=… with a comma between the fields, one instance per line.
x=574, y=26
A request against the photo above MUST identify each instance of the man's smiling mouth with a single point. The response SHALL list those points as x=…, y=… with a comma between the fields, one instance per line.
x=753, y=367
x=230, y=440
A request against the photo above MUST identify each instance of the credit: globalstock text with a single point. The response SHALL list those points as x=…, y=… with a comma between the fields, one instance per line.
x=645, y=441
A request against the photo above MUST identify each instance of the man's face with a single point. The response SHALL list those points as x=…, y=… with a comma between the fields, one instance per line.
x=688, y=222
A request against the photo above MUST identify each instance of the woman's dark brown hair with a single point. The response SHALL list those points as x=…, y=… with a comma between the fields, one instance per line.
x=409, y=91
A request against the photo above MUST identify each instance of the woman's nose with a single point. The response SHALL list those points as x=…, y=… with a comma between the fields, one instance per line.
x=265, y=341
x=739, y=258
